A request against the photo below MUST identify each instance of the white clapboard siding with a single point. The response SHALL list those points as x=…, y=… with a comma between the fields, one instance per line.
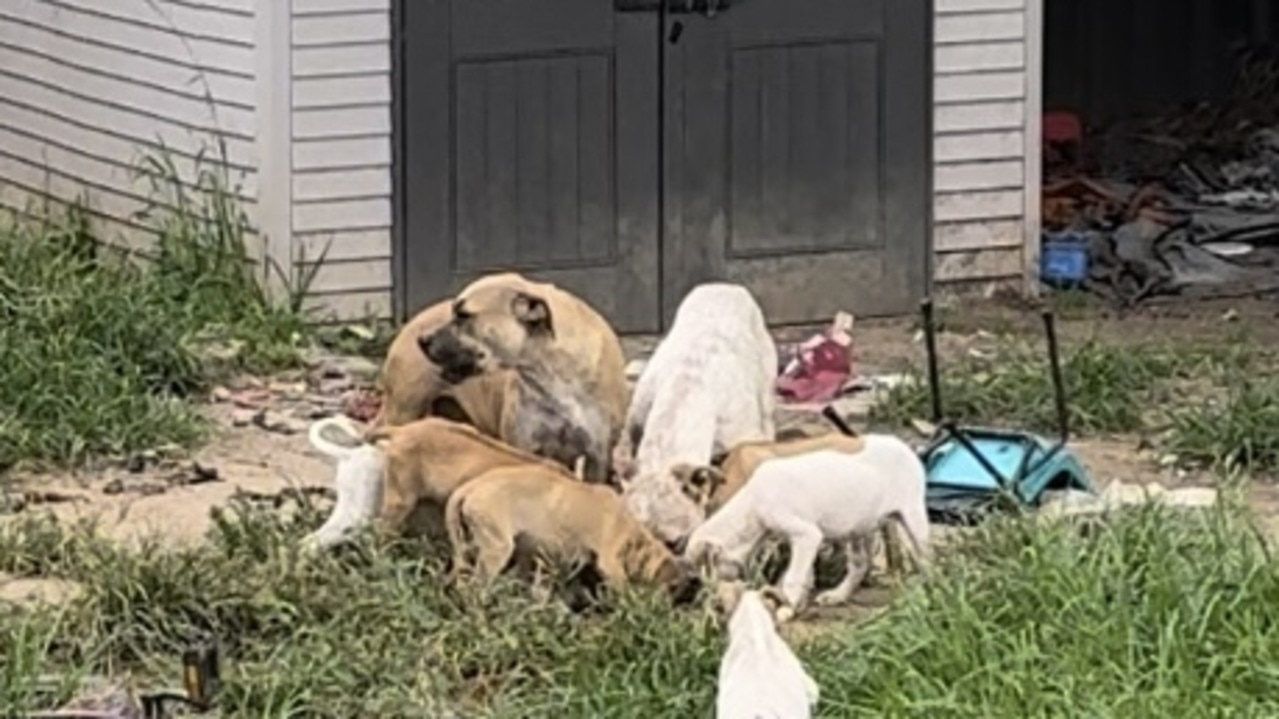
x=979, y=139
x=88, y=89
x=341, y=153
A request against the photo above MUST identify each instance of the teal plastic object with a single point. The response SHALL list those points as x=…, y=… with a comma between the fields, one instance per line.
x=1021, y=464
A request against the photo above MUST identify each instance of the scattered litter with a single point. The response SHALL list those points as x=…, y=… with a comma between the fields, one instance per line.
x=1185, y=205
x=1065, y=503
x=820, y=368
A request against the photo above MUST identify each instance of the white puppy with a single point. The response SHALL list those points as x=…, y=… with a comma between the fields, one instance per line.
x=358, y=481
x=708, y=387
x=816, y=497
x=759, y=675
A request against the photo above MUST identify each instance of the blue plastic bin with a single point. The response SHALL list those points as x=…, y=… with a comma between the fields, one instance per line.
x=1063, y=259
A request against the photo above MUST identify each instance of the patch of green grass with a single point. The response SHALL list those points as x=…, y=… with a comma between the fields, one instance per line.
x=1151, y=616
x=1108, y=388
x=1235, y=426
x=100, y=350
x=1146, y=615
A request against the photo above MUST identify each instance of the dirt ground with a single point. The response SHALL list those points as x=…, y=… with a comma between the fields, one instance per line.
x=171, y=498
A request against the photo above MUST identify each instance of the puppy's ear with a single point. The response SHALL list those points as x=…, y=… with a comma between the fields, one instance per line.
x=534, y=313
x=706, y=479
x=773, y=599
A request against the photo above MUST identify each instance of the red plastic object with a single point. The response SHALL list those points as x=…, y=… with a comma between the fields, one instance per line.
x=1062, y=127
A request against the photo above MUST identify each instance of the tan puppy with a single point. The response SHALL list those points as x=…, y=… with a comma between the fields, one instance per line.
x=427, y=460
x=712, y=487
x=534, y=509
x=412, y=387
x=569, y=395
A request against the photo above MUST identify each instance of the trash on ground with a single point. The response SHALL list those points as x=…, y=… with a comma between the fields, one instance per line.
x=1117, y=494
x=821, y=368
x=1186, y=204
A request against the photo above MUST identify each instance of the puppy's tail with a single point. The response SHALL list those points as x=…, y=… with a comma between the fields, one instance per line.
x=340, y=425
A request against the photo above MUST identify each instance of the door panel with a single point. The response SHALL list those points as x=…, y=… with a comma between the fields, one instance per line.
x=531, y=144
x=797, y=150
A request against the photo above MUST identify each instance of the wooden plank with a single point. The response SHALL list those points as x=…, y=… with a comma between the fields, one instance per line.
x=188, y=112
x=313, y=7
x=362, y=27
x=129, y=65
x=342, y=122
x=980, y=56
x=993, y=175
x=335, y=276
x=998, y=115
x=977, y=205
x=971, y=146
x=325, y=185
x=351, y=306
x=329, y=92
x=980, y=87
x=977, y=265
x=192, y=51
x=980, y=27
x=372, y=151
x=118, y=135
x=372, y=244
x=977, y=235
x=342, y=59
x=344, y=215
x=952, y=7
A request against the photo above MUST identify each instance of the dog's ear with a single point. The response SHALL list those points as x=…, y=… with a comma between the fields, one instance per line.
x=773, y=599
x=706, y=479
x=533, y=313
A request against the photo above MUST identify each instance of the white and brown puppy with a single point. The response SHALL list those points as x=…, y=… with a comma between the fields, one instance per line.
x=567, y=398
x=707, y=388
x=537, y=510
x=357, y=480
x=712, y=487
x=760, y=676
x=816, y=497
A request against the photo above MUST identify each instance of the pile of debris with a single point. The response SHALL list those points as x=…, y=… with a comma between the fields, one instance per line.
x=1189, y=205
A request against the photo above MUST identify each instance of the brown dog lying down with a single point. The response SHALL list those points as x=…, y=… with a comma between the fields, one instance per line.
x=515, y=511
x=712, y=487
x=427, y=460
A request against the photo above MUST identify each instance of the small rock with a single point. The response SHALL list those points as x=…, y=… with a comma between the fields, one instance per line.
x=135, y=463
x=220, y=394
x=113, y=487
x=335, y=385
x=923, y=427
x=201, y=473
x=278, y=423
x=635, y=368
x=150, y=489
x=360, y=332
x=288, y=390
x=359, y=369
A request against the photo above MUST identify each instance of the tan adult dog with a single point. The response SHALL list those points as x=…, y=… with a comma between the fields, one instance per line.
x=712, y=487
x=429, y=459
x=534, y=509
x=568, y=396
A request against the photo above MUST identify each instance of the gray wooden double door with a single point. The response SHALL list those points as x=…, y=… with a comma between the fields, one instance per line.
x=628, y=154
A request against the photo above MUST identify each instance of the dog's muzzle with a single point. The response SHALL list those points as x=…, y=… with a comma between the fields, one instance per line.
x=455, y=360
